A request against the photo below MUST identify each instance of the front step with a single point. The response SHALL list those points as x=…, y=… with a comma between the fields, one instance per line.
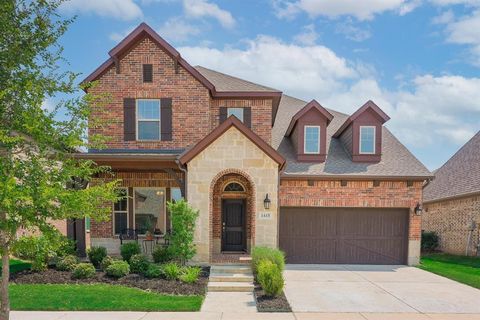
x=230, y=286
x=231, y=269
x=231, y=277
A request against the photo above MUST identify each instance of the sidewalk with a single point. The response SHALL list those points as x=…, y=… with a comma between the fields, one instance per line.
x=37, y=315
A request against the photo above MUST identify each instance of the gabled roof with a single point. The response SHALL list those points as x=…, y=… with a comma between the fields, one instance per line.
x=231, y=121
x=129, y=41
x=459, y=176
x=368, y=105
x=311, y=105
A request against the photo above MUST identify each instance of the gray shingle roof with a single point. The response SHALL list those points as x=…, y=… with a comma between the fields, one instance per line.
x=225, y=82
x=460, y=175
x=396, y=159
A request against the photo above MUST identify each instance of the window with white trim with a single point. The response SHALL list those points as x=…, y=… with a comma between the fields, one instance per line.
x=311, y=142
x=148, y=119
x=367, y=140
x=237, y=112
x=120, y=213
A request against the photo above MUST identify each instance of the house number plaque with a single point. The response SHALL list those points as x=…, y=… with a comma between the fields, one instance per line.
x=265, y=215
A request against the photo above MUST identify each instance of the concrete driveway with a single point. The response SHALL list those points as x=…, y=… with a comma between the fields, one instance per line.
x=375, y=289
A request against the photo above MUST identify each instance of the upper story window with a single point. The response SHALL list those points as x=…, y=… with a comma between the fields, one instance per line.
x=367, y=139
x=237, y=112
x=311, y=138
x=147, y=73
x=148, y=119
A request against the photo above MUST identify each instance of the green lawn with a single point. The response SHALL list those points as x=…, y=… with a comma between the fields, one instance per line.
x=459, y=268
x=19, y=265
x=97, y=297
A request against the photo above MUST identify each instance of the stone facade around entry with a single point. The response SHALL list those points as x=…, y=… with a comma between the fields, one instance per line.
x=231, y=153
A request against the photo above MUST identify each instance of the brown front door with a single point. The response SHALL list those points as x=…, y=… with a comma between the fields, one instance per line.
x=344, y=235
x=233, y=225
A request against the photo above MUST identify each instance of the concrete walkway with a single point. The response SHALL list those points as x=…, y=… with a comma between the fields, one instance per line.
x=235, y=302
x=36, y=315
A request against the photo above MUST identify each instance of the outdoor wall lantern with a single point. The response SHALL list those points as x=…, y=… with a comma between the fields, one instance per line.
x=266, y=202
x=418, y=209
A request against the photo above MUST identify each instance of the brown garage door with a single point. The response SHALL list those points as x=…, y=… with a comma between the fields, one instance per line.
x=344, y=235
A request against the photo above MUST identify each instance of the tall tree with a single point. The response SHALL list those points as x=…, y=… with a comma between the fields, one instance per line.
x=40, y=180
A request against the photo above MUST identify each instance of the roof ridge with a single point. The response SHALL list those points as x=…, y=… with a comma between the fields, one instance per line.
x=238, y=78
x=457, y=152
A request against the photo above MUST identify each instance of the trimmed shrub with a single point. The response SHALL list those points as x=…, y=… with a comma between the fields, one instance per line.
x=171, y=271
x=67, y=263
x=264, y=253
x=139, y=263
x=183, y=217
x=96, y=255
x=106, y=262
x=83, y=271
x=42, y=249
x=190, y=274
x=153, y=271
x=270, y=278
x=118, y=269
x=430, y=241
x=161, y=254
x=127, y=250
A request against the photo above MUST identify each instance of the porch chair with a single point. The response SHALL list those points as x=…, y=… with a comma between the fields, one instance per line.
x=128, y=234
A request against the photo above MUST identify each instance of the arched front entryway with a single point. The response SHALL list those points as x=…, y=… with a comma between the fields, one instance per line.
x=232, y=224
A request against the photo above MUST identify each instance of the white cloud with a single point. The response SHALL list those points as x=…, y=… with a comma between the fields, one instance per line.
x=362, y=10
x=203, y=8
x=350, y=31
x=48, y=105
x=436, y=109
x=120, y=9
x=300, y=70
x=308, y=37
x=119, y=36
x=177, y=29
x=463, y=30
x=455, y=2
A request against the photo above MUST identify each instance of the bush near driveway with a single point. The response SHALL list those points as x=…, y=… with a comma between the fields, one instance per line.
x=276, y=256
x=270, y=278
x=118, y=269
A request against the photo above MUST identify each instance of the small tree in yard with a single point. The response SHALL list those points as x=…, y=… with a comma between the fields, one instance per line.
x=183, y=218
x=39, y=179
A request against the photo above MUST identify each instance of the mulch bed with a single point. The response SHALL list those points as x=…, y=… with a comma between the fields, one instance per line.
x=52, y=276
x=271, y=304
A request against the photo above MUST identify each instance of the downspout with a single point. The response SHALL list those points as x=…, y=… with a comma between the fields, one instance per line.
x=184, y=170
x=282, y=168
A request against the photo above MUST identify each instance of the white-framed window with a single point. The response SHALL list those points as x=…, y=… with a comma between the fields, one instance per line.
x=237, y=112
x=120, y=213
x=367, y=139
x=311, y=140
x=149, y=210
x=148, y=119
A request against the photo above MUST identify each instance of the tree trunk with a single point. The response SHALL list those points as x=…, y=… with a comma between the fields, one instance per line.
x=5, y=303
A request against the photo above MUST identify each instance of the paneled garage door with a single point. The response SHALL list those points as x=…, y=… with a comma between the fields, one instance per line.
x=344, y=235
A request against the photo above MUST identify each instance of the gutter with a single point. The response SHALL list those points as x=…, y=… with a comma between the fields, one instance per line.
x=185, y=179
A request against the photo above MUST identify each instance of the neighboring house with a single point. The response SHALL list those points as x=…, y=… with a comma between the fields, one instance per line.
x=452, y=201
x=263, y=168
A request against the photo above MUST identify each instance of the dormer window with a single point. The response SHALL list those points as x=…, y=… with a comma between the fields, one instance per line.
x=237, y=112
x=311, y=143
x=367, y=140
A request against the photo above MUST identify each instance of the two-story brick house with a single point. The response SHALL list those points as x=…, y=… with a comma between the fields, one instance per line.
x=262, y=168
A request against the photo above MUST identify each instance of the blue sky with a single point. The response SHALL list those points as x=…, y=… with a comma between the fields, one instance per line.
x=419, y=60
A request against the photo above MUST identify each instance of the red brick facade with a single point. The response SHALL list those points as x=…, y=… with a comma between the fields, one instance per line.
x=195, y=113
x=330, y=193
x=452, y=221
